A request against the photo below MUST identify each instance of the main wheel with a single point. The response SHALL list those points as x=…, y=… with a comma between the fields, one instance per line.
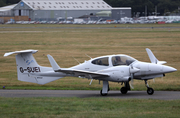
x=150, y=91
x=103, y=94
x=123, y=90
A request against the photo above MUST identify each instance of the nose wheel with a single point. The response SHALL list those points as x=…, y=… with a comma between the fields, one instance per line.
x=150, y=90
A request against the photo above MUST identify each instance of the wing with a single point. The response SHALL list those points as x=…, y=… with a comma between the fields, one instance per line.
x=153, y=59
x=74, y=72
x=83, y=74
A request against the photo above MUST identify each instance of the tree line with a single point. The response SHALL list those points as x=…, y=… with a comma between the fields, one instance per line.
x=8, y=2
x=139, y=7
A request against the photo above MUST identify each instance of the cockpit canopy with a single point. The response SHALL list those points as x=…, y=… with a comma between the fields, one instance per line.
x=101, y=61
x=115, y=60
x=121, y=60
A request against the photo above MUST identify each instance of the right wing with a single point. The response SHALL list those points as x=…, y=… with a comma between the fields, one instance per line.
x=153, y=59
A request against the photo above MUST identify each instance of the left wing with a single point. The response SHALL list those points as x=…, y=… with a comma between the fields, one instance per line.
x=83, y=74
x=74, y=72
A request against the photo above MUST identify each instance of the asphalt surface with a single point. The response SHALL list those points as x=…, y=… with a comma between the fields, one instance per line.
x=161, y=95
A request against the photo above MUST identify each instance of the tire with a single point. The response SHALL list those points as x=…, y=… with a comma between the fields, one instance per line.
x=103, y=94
x=150, y=91
x=124, y=90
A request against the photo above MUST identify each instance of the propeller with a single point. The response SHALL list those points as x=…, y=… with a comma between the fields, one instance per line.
x=132, y=71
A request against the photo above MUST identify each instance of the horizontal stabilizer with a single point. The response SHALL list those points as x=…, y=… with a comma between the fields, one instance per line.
x=53, y=63
x=19, y=52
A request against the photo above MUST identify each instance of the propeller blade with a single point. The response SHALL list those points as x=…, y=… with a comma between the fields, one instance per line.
x=131, y=84
x=132, y=70
x=90, y=82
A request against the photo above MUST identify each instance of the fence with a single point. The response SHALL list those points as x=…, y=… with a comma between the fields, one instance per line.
x=15, y=18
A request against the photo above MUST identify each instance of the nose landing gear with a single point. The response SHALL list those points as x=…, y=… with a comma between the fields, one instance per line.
x=150, y=90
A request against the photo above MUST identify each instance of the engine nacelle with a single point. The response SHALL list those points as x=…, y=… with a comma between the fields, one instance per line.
x=119, y=73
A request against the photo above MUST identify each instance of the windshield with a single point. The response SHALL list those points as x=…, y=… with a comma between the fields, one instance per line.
x=122, y=60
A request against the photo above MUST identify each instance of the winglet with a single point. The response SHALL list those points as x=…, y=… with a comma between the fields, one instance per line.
x=53, y=63
x=152, y=58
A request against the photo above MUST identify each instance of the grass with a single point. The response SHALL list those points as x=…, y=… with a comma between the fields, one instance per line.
x=63, y=44
x=87, y=108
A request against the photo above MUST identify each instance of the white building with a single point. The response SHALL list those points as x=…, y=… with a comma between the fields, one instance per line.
x=6, y=11
x=52, y=9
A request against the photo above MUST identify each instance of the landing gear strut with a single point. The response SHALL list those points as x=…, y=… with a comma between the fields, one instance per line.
x=105, y=88
x=150, y=91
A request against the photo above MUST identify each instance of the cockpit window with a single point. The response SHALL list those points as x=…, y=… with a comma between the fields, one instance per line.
x=101, y=61
x=122, y=60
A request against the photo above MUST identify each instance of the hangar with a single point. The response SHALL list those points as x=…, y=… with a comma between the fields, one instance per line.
x=52, y=9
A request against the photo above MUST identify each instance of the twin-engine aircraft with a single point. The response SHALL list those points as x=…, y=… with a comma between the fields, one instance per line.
x=114, y=68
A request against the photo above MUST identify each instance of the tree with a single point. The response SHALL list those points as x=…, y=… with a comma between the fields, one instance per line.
x=139, y=5
x=12, y=1
x=2, y=3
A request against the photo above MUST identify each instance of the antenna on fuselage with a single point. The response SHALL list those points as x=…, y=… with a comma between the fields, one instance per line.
x=88, y=56
x=76, y=60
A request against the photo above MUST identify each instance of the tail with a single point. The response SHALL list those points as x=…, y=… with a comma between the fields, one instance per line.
x=152, y=58
x=29, y=70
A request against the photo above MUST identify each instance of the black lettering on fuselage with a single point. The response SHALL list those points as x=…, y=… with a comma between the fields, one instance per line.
x=30, y=69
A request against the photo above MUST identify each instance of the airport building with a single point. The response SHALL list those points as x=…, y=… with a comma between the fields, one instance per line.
x=53, y=9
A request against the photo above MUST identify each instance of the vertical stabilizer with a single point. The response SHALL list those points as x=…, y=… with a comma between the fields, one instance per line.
x=29, y=70
x=26, y=64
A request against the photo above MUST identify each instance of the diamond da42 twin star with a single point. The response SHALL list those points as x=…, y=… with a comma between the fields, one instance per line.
x=114, y=68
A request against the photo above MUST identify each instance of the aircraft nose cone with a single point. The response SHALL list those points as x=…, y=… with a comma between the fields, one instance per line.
x=168, y=69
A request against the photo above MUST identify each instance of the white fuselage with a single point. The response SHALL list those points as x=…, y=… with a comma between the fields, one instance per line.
x=121, y=72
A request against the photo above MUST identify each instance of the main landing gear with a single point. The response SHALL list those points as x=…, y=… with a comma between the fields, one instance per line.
x=103, y=94
x=125, y=89
x=105, y=88
x=150, y=91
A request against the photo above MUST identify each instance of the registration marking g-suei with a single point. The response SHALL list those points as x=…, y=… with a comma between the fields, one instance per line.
x=30, y=69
